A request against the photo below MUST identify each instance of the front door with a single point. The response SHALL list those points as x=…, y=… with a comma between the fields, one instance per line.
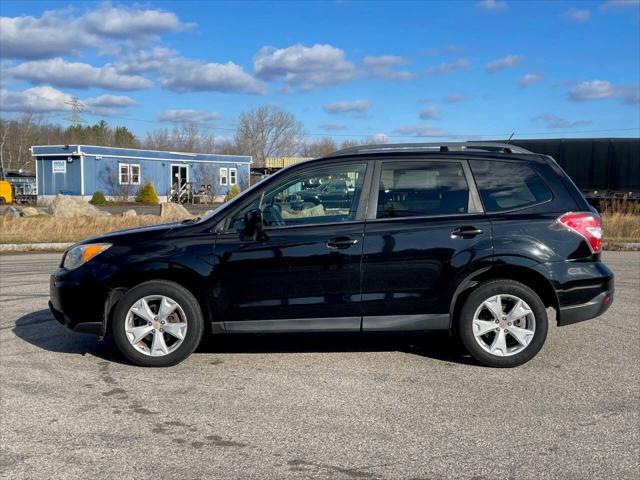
x=302, y=271
x=179, y=175
x=425, y=231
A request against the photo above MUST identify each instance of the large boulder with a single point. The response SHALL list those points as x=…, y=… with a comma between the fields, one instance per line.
x=11, y=212
x=29, y=212
x=64, y=206
x=173, y=210
x=129, y=213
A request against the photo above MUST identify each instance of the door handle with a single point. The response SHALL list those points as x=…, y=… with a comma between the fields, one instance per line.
x=341, y=242
x=466, y=231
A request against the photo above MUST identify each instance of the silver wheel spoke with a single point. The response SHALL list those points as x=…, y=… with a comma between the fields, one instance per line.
x=499, y=345
x=142, y=310
x=176, y=329
x=158, y=345
x=522, y=335
x=494, y=305
x=482, y=327
x=519, y=310
x=135, y=334
x=167, y=307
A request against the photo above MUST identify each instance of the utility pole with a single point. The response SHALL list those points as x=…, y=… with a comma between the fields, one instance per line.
x=75, y=117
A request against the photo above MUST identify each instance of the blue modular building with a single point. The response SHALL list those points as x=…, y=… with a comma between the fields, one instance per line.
x=81, y=170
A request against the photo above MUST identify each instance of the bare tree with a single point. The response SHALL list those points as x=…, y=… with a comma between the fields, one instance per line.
x=185, y=137
x=110, y=178
x=268, y=131
x=319, y=148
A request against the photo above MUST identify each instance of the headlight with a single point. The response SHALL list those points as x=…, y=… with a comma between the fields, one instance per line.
x=82, y=254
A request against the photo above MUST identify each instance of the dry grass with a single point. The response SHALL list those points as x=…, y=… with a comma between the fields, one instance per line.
x=621, y=221
x=45, y=229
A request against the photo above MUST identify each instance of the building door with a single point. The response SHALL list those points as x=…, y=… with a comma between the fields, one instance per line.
x=179, y=175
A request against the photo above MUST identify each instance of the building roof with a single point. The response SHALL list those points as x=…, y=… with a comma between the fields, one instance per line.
x=134, y=153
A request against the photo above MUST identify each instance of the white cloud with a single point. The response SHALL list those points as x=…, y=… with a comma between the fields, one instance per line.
x=430, y=113
x=306, y=68
x=529, y=79
x=143, y=61
x=50, y=100
x=47, y=36
x=506, y=62
x=615, y=4
x=130, y=22
x=555, y=122
x=60, y=73
x=455, y=98
x=422, y=131
x=492, y=5
x=184, y=75
x=332, y=127
x=603, y=90
x=355, y=106
x=59, y=32
x=446, y=68
x=187, y=116
x=384, y=67
x=577, y=15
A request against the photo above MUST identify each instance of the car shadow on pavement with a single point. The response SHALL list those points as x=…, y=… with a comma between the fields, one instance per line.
x=42, y=330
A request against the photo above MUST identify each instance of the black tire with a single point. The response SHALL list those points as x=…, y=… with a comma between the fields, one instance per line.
x=486, y=291
x=192, y=311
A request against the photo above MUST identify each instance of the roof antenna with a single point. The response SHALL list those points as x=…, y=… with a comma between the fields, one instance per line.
x=511, y=136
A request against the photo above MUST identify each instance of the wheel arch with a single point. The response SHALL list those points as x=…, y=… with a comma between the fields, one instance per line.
x=525, y=275
x=131, y=277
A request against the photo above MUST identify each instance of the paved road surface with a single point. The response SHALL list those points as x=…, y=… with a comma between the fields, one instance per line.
x=330, y=407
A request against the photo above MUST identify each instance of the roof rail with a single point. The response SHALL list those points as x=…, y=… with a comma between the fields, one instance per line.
x=433, y=147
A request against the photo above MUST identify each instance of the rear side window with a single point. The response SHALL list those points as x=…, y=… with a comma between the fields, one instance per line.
x=508, y=186
x=410, y=189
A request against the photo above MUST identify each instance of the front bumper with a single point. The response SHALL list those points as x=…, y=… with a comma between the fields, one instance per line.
x=78, y=304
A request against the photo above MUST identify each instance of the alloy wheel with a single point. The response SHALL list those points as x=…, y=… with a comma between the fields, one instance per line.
x=155, y=325
x=504, y=325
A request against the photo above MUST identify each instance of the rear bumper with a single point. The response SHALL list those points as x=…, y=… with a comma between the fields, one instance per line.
x=586, y=311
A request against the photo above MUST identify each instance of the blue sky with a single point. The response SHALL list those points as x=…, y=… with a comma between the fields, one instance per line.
x=405, y=70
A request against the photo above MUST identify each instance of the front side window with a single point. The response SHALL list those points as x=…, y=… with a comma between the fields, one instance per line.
x=508, y=186
x=409, y=189
x=223, y=176
x=318, y=195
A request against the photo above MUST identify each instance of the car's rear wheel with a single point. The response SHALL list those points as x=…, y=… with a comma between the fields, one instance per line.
x=503, y=323
x=157, y=324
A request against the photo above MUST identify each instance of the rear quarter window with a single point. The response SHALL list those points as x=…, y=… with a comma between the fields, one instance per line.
x=508, y=186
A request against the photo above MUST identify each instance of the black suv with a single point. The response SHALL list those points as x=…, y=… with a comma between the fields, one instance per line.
x=475, y=238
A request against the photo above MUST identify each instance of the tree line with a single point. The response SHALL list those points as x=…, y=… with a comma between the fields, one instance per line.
x=263, y=132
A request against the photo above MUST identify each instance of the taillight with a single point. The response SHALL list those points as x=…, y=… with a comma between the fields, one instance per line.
x=586, y=224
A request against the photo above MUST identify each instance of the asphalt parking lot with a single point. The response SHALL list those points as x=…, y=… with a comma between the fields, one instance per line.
x=334, y=407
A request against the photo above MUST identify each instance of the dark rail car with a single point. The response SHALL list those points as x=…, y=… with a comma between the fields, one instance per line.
x=603, y=168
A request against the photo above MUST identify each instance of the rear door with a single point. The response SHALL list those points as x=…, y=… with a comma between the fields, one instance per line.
x=425, y=231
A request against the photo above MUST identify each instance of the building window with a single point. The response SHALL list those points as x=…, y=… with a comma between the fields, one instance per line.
x=233, y=176
x=124, y=174
x=134, y=175
x=129, y=174
x=223, y=176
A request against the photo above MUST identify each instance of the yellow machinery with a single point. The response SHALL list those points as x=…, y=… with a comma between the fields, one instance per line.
x=6, y=193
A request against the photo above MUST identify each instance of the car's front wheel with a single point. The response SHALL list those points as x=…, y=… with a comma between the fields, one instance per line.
x=157, y=324
x=503, y=323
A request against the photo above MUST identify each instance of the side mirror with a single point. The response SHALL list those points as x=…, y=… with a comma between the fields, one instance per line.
x=252, y=221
